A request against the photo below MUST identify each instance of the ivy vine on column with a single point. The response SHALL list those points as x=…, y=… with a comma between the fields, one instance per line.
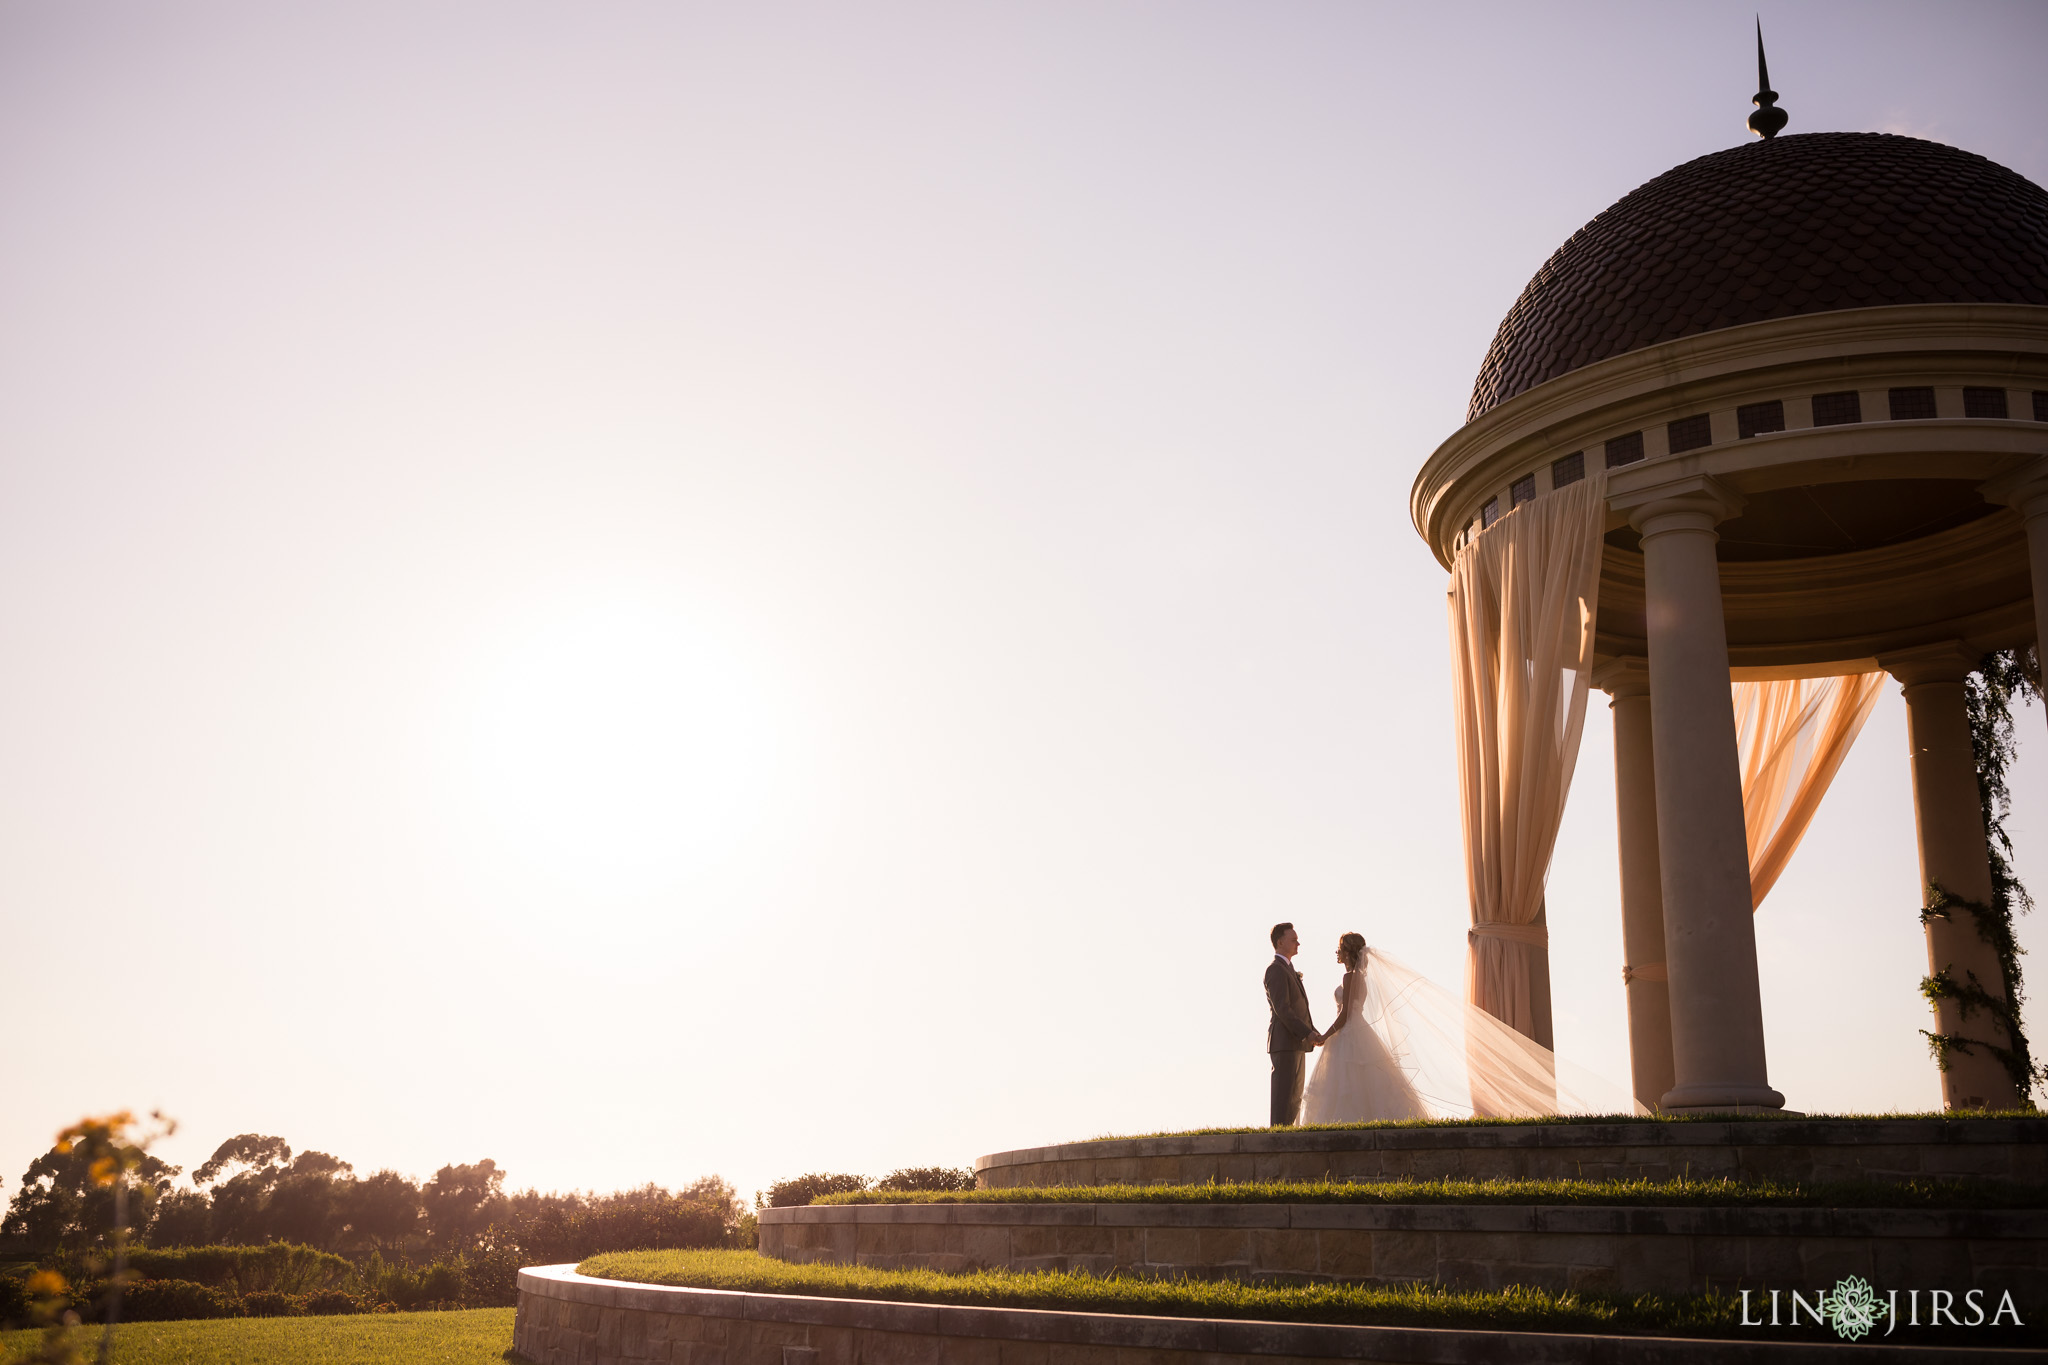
x=1989, y=692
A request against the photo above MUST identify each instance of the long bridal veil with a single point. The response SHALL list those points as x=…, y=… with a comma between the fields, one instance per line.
x=1465, y=1063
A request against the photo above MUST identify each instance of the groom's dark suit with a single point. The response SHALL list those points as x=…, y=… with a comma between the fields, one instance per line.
x=1288, y=1038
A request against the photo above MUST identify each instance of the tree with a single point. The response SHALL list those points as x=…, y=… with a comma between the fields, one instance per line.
x=183, y=1218
x=251, y=1151
x=98, y=1165
x=381, y=1212
x=716, y=1191
x=241, y=1200
x=306, y=1201
x=62, y=1206
x=463, y=1201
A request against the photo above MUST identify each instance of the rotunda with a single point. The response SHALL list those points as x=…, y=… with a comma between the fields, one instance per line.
x=1803, y=384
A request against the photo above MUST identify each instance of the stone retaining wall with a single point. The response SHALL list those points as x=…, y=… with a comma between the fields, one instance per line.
x=567, y=1319
x=1476, y=1246
x=1792, y=1149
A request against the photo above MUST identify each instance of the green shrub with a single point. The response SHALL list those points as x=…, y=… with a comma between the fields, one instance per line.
x=268, y=1303
x=568, y=1229
x=331, y=1302
x=170, y=1300
x=282, y=1267
x=940, y=1179
x=441, y=1284
x=785, y=1194
x=13, y=1301
x=494, y=1278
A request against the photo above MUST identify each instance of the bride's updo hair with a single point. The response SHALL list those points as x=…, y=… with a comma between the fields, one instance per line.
x=1351, y=945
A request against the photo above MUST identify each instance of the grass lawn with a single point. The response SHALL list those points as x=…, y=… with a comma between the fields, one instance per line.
x=1680, y=1193
x=1526, y=1310
x=1515, y=1310
x=476, y=1336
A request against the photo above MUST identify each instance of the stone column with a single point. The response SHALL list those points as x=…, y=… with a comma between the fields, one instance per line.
x=1627, y=682
x=1717, y=1019
x=1955, y=855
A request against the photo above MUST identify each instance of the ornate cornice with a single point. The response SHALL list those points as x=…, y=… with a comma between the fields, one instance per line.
x=1808, y=352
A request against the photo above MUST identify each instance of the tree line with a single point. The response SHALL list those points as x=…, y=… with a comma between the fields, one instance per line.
x=254, y=1189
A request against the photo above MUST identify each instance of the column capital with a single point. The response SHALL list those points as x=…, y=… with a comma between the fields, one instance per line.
x=1692, y=502
x=2024, y=489
x=1943, y=661
x=1625, y=676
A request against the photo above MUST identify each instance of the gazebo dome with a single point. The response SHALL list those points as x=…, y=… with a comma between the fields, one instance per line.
x=1776, y=228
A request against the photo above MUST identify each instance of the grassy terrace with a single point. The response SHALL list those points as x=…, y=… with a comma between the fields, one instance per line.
x=1856, y=1194
x=1514, y=1310
x=475, y=1336
x=1552, y=1120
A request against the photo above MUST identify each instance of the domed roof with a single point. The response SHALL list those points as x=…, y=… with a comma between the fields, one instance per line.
x=1773, y=229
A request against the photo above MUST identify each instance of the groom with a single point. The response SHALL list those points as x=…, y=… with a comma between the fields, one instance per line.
x=1291, y=1036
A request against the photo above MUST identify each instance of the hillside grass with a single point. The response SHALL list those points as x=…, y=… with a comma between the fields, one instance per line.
x=473, y=1336
x=1521, y=1310
x=1567, y=1120
x=1638, y=1193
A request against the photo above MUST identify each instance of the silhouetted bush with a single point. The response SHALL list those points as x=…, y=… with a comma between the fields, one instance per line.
x=268, y=1303
x=555, y=1228
x=13, y=1301
x=946, y=1179
x=494, y=1277
x=790, y=1194
x=330, y=1302
x=278, y=1267
x=171, y=1300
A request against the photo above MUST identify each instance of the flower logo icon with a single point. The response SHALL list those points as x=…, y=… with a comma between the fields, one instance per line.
x=1852, y=1308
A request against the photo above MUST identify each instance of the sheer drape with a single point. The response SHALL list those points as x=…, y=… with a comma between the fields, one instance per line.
x=1462, y=1061
x=1523, y=598
x=1792, y=736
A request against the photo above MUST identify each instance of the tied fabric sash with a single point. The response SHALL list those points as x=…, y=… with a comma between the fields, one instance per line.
x=1649, y=971
x=1528, y=935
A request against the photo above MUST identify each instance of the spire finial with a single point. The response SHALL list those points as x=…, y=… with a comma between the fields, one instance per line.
x=1768, y=120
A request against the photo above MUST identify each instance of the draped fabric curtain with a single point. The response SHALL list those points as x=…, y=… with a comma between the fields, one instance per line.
x=1523, y=597
x=1464, y=1063
x=1792, y=736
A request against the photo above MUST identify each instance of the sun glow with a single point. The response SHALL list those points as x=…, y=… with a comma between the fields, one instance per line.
x=621, y=749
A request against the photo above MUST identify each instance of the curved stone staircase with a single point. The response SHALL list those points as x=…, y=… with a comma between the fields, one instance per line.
x=1619, y=1249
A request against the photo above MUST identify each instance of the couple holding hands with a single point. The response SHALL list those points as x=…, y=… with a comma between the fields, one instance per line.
x=1357, y=1077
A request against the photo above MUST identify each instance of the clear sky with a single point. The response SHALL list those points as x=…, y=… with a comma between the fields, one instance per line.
x=646, y=589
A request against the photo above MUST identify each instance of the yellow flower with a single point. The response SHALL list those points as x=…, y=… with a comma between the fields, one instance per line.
x=47, y=1283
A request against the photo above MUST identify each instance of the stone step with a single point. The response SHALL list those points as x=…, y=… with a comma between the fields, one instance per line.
x=1625, y=1250
x=1800, y=1150
x=568, y=1319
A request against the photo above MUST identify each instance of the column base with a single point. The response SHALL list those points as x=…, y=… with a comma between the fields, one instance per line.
x=1725, y=1098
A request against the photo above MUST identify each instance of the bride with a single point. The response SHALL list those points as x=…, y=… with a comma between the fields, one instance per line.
x=1403, y=1047
x=1357, y=1076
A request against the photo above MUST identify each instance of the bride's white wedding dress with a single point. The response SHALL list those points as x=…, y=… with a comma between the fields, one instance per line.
x=1411, y=1049
x=1357, y=1077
